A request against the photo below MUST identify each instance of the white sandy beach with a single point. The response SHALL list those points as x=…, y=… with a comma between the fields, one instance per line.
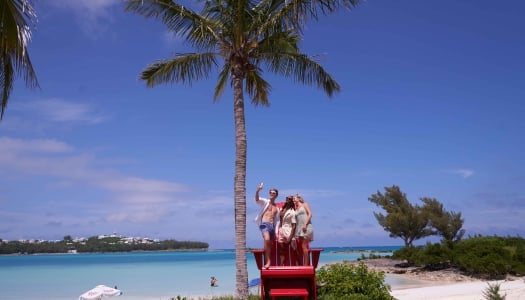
x=472, y=290
x=445, y=284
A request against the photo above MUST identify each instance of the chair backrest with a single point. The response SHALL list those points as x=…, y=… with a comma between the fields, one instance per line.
x=291, y=257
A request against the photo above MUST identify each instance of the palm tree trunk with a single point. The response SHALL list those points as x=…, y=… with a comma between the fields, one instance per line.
x=240, y=190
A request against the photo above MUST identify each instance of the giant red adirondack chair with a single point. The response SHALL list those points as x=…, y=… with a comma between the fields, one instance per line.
x=291, y=280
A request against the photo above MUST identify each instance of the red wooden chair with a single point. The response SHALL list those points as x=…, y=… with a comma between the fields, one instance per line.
x=293, y=279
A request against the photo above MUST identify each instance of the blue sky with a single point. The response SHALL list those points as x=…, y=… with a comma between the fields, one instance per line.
x=432, y=100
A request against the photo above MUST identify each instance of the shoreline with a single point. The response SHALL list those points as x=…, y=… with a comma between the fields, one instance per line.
x=390, y=266
x=167, y=275
x=447, y=284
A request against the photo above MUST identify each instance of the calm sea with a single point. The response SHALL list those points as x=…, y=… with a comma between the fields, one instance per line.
x=140, y=275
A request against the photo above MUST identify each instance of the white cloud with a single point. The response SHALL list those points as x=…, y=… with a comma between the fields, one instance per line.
x=141, y=214
x=465, y=173
x=51, y=158
x=90, y=195
x=91, y=15
x=135, y=184
x=9, y=145
x=86, y=8
x=58, y=110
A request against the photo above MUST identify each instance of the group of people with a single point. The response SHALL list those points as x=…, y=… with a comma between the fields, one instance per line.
x=290, y=224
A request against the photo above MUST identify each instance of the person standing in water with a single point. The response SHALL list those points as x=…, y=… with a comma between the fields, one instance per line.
x=213, y=281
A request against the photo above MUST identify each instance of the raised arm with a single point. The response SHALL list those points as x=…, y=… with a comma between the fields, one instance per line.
x=259, y=188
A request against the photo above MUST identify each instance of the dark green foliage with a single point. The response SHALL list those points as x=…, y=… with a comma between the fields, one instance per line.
x=95, y=244
x=479, y=256
x=412, y=222
x=434, y=256
x=31, y=248
x=487, y=255
x=446, y=224
x=402, y=219
x=518, y=262
x=492, y=292
x=407, y=253
x=351, y=281
x=16, y=20
x=371, y=256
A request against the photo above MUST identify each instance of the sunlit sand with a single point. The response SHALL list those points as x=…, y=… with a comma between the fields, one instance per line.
x=473, y=290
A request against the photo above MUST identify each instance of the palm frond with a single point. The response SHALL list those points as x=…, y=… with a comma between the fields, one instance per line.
x=221, y=84
x=195, y=28
x=183, y=68
x=15, y=17
x=6, y=83
x=279, y=42
x=176, y=17
x=304, y=69
x=257, y=88
x=293, y=14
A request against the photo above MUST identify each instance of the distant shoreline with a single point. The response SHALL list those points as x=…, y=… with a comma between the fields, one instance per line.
x=106, y=252
x=361, y=251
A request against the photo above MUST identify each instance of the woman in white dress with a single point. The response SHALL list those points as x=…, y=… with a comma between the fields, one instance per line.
x=286, y=227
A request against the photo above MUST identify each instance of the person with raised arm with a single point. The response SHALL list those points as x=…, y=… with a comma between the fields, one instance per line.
x=267, y=220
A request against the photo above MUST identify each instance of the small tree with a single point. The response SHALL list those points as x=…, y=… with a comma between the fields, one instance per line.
x=402, y=219
x=446, y=224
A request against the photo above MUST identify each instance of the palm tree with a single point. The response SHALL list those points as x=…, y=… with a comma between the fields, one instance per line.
x=239, y=37
x=15, y=34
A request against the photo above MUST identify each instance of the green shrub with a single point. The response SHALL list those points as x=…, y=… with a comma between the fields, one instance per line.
x=492, y=292
x=434, y=256
x=410, y=254
x=371, y=256
x=351, y=281
x=483, y=255
x=518, y=261
x=490, y=256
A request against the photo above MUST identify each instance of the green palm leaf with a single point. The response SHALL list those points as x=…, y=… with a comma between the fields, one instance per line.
x=184, y=68
x=15, y=34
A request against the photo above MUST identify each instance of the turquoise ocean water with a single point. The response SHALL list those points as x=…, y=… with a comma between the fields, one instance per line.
x=140, y=275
